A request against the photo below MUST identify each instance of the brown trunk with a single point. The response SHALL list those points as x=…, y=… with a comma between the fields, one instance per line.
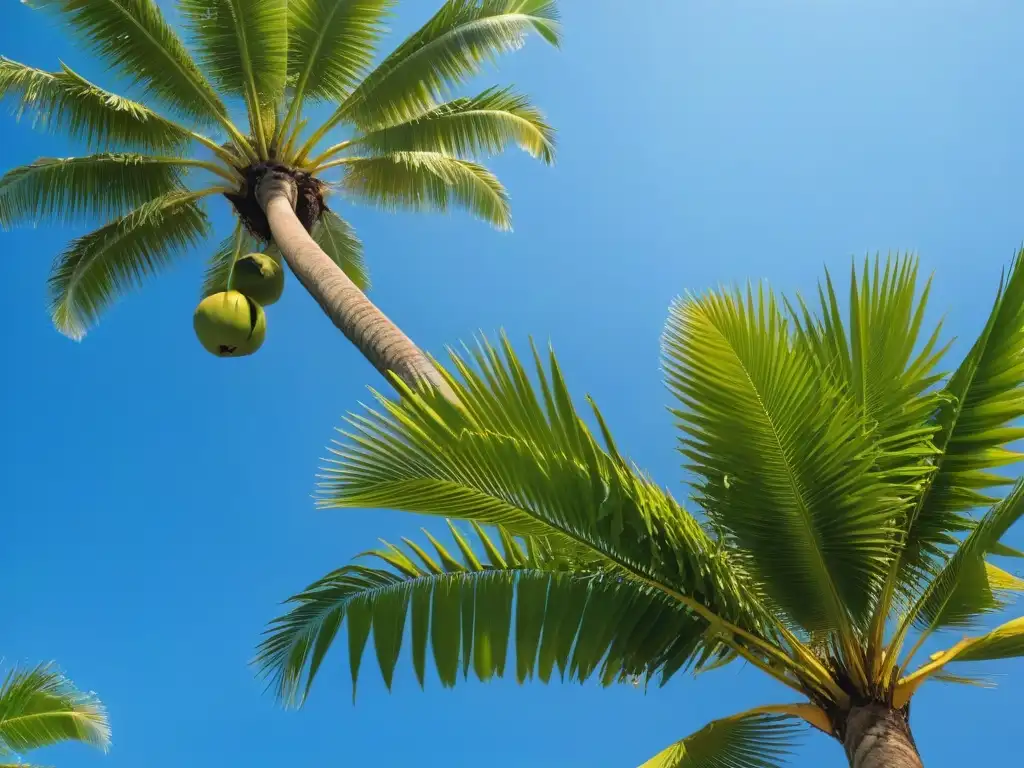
x=877, y=736
x=374, y=335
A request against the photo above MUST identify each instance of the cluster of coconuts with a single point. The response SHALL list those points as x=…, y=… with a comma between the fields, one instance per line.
x=232, y=323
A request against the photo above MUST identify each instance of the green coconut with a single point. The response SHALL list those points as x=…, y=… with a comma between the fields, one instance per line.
x=260, y=277
x=230, y=324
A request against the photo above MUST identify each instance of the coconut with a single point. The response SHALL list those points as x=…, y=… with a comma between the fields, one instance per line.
x=230, y=324
x=260, y=277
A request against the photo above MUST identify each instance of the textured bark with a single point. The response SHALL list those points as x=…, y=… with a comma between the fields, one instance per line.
x=379, y=340
x=877, y=736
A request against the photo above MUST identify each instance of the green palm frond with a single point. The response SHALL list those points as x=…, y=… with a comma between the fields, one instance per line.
x=97, y=268
x=469, y=127
x=967, y=587
x=218, y=268
x=1004, y=642
x=877, y=360
x=39, y=707
x=983, y=398
x=742, y=741
x=519, y=455
x=134, y=36
x=581, y=621
x=66, y=101
x=243, y=44
x=332, y=44
x=422, y=181
x=65, y=188
x=785, y=462
x=448, y=49
x=338, y=240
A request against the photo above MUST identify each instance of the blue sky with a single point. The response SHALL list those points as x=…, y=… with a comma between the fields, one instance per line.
x=156, y=501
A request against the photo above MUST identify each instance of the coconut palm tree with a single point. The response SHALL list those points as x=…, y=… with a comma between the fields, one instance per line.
x=159, y=160
x=835, y=476
x=39, y=707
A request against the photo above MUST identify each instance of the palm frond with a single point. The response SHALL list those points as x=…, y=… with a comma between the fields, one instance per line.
x=448, y=49
x=339, y=241
x=67, y=101
x=785, y=461
x=332, y=44
x=967, y=587
x=581, y=621
x=243, y=44
x=134, y=37
x=100, y=266
x=422, y=181
x=39, y=707
x=469, y=127
x=983, y=398
x=520, y=456
x=749, y=740
x=66, y=188
x=877, y=360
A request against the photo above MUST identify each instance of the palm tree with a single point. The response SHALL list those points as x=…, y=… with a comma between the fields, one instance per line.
x=835, y=473
x=39, y=707
x=402, y=146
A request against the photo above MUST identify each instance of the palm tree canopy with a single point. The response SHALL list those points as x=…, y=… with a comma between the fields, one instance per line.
x=39, y=707
x=404, y=143
x=837, y=475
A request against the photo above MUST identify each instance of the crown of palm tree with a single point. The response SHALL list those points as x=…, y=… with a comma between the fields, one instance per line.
x=404, y=147
x=39, y=707
x=836, y=476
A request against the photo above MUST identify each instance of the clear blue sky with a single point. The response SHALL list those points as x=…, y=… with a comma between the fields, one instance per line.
x=156, y=501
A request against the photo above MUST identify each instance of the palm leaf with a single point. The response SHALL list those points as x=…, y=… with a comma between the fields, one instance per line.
x=100, y=266
x=448, y=49
x=584, y=622
x=243, y=44
x=66, y=188
x=785, y=462
x=982, y=399
x=520, y=456
x=427, y=181
x=468, y=127
x=39, y=707
x=331, y=44
x=338, y=240
x=134, y=36
x=967, y=587
x=65, y=100
x=742, y=741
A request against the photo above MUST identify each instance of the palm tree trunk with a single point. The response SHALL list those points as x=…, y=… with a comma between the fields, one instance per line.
x=877, y=736
x=379, y=340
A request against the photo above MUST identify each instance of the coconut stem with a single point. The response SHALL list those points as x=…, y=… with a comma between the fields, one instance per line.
x=234, y=256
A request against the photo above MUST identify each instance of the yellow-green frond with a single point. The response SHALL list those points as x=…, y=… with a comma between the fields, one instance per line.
x=427, y=181
x=448, y=49
x=39, y=707
x=785, y=462
x=332, y=44
x=470, y=610
x=518, y=454
x=99, y=267
x=469, y=127
x=66, y=101
x=741, y=741
x=134, y=37
x=983, y=398
x=338, y=240
x=243, y=44
x=65, y=188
